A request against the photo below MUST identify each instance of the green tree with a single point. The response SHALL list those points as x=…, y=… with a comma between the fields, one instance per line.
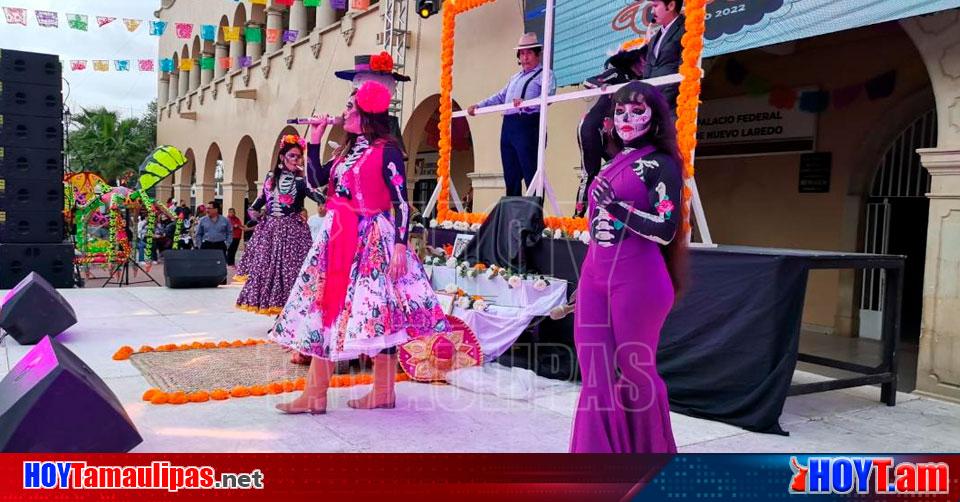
x=112, y=147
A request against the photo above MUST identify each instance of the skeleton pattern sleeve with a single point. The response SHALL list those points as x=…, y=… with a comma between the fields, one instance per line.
x=394, y=175
x=665, y=189
x=262, y=199
x=318, y=173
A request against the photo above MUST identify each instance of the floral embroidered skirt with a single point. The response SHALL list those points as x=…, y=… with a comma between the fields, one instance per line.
x=378, y=312
x=271, y=261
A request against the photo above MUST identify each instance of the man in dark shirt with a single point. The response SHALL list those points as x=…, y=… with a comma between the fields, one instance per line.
x=664, y=49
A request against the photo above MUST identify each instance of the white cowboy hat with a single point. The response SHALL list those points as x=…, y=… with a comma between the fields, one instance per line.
x=528, y=41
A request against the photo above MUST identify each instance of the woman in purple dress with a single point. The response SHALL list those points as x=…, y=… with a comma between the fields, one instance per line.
x=629, y=281
x=282, y=238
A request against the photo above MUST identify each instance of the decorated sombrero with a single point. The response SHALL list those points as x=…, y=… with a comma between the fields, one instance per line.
x=428, y=359
x=372, y=65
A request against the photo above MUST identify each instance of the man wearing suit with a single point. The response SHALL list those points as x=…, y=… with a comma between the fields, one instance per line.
x=664, y=50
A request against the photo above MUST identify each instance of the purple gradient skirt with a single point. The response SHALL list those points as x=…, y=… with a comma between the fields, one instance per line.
x=271, y=261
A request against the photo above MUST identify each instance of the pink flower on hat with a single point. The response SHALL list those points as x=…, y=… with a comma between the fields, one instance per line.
x=373, y=97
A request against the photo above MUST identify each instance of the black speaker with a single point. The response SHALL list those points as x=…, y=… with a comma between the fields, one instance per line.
x=30, y=67
x=33, y=309
x=32, y=163
x=33, y=132
x=21, y=98
x=31, y=193
x=34, y=227
x=52, y=402
x=54, y=262
x=195, y=268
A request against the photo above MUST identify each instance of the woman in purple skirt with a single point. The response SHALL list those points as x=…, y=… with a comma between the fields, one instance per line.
x=282, y=239
x=628, y=283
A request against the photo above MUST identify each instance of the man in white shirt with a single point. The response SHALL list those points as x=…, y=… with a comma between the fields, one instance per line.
x=665, y=52
x=316, y=221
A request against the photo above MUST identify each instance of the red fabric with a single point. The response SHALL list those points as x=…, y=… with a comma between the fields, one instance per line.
x=237, y=226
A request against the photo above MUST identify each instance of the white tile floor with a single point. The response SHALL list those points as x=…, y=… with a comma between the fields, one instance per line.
x=431, y=418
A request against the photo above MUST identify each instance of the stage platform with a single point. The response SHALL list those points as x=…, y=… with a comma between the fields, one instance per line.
x=432, y=418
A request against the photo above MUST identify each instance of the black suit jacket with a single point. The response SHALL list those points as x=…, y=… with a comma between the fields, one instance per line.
x=667, y=62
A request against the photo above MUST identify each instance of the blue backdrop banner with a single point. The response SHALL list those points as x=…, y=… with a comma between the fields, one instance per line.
x=588, y=31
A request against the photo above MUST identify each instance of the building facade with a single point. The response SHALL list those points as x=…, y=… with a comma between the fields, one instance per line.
x=881, y=195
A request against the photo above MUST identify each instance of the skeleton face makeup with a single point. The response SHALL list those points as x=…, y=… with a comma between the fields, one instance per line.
x=632, y=120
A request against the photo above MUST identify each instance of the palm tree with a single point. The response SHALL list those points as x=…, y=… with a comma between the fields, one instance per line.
x=108, y=145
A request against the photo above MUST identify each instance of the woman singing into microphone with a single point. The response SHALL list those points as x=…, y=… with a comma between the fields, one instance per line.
x=282, y=239
x=360, y=291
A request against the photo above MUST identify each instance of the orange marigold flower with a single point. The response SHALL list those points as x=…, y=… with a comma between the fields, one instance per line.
x=198, y=397
x=160, y=398
x=239, y=391
x=219, y=394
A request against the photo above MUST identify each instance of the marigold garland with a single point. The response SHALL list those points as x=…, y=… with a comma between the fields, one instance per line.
x=157, y=396
x=687, y=103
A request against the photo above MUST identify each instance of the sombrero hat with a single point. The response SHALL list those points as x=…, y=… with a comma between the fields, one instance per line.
x=428, y=359
x=372, y=67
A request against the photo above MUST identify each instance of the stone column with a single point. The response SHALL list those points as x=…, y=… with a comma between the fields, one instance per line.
x=937, y=38
x=938, y=367
x=325, y=16
x=298, y=18
x=220, y=51
x=163, y=88
x=233, y=197
x=174, y=91
x=238, y=49
x=206, y=192
x=255, y=49
x=181, y=193
x=164, y=191
x=274, y=22
x=195, y=76
x=206, y=76
x=184, y=83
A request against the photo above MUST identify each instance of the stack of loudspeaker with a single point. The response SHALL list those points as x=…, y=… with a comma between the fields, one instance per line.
x=31, y=171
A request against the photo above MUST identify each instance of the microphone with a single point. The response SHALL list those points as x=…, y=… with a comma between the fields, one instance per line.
x=338, y=120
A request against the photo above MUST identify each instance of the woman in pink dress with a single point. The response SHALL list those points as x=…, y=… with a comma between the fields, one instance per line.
x=360, y=290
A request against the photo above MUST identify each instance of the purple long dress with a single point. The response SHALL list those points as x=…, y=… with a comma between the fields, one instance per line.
x=623, y=298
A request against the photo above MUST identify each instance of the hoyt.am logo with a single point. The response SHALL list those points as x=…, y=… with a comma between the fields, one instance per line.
x=826, y=475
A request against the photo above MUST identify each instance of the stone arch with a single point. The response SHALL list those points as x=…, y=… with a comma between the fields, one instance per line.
x=240, y=15
x=185, y=179
x=197, y=49
x=224, y=21
x=185, y=52
x=258, y=14
x=419, y=142
x=210, y=164
x=245, y=169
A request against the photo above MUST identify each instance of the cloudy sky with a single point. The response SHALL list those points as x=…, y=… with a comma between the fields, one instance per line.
x=125, y=92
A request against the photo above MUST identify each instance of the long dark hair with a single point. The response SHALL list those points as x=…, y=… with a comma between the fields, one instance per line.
x=375, y=127
x=662, y=136
x=278, y=163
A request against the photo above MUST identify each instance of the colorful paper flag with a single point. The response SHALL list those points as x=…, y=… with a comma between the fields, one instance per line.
x=166, y=65
x=15, y=15
x=253, y=34
x=132, y=24
x=78, y=64
x=208, y=32
x=207, y=63
x=338, y=4
x=360, y=4
x=78, y=21
x=122, y=64
x=245, y=61
x=147, y=65
x=288, y=3
x=158, y=27
x=258, y=2
x=101, y=65
x=104, y=20
x=311, y=3
x=48, y=19
x=184, y=30
x=273, y=35
x=814, y=101
x=186, y=64
x=290, y=36
x=226, y=62
x=881, y=86
x=231, y=33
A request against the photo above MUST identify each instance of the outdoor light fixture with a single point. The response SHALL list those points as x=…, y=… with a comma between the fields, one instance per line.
x=427, y=8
